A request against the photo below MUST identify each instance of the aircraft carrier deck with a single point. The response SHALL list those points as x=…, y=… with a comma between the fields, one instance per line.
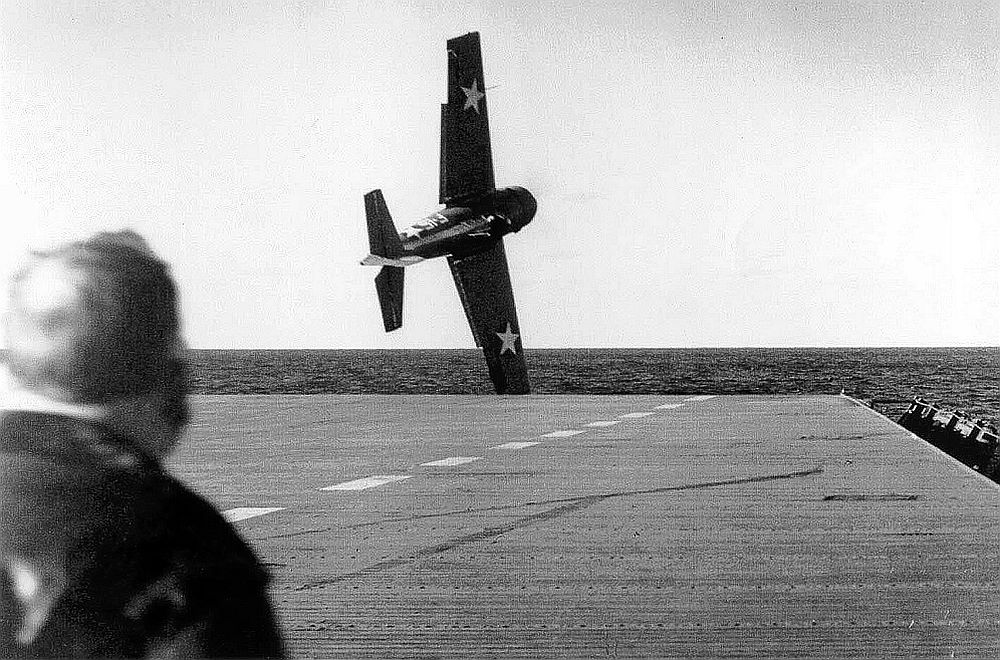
x=603, y=526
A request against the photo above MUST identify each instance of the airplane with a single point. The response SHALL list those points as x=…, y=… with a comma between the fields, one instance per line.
x=469, y=230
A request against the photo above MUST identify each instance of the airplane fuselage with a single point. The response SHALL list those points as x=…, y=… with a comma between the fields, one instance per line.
x=468, y=231
x=469, y=227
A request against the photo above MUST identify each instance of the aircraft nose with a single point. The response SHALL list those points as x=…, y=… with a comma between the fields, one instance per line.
x=530, y=205
x=527, y=203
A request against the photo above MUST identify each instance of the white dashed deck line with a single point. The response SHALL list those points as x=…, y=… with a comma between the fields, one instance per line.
x=515, y=445
x=605, y=423
x=452, y=460
x=562, y=434
x=245, y=512
x=670, y=406
x=636, y=415
x=368, y=482
x=700, y=397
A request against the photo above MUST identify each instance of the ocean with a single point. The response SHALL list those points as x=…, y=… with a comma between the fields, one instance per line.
x=962, y=378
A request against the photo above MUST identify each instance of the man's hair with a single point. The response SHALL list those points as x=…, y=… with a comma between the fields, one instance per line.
x=94, y=320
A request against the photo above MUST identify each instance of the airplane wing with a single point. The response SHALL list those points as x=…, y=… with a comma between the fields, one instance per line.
x=466, y=155
x=483, y=283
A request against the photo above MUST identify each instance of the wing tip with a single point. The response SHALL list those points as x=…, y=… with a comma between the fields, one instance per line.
x=468, y=35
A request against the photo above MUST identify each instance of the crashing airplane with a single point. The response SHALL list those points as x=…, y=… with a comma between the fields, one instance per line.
x=469, y=230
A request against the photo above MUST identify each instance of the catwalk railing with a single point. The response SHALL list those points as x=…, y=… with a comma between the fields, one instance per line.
x=972, y=441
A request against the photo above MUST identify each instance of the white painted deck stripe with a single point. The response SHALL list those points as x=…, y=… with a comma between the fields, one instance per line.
x=452, y=460
x=515, y=445
x=636, y=415
x=602, y=424
x=700, y=397
x=368, y=482
x=670, y=406
x=245, y=512
x=562, y=434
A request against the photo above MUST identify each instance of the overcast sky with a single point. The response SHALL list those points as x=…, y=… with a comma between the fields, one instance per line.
x=708, y=174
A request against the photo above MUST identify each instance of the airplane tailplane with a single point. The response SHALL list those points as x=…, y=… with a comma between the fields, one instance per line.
x=389, y=285
x=382, y=235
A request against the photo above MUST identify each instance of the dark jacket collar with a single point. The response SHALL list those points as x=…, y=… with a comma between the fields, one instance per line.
x=60, y=437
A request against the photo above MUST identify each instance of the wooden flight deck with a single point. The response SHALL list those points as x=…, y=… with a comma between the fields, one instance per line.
x=602, y=526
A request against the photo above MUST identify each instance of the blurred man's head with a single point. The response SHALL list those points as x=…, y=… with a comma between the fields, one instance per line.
x=96, y=322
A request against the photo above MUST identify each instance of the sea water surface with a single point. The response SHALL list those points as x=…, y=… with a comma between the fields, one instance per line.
x=963, y=378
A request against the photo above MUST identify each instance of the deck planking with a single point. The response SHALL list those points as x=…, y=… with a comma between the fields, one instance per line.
x=754, y=526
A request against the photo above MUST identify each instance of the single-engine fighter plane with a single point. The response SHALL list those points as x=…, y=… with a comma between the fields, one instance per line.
x=469, y=230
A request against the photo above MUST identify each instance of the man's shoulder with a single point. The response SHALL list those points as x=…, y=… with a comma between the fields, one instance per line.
x=174, y=515
x=62, y=482
x=208, y=574
x=136, y=544
x=56, y=486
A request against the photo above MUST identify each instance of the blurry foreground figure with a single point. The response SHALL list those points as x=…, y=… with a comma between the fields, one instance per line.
x=102, y=553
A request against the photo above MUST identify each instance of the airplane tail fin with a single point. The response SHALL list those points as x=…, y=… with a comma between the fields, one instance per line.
x=382, y=236
x=389, y=285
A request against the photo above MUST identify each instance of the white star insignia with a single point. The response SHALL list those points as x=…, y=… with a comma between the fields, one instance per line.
x=472, y=97
x=508, y=340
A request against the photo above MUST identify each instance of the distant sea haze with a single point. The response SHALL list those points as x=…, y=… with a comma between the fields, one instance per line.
x=953, y=377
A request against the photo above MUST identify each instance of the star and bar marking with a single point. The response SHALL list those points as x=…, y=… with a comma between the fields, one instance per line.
x=473, y=96
x=508, y=338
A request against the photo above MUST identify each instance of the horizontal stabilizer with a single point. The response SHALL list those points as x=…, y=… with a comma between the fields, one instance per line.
x=400, y=262
x=389, y=285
